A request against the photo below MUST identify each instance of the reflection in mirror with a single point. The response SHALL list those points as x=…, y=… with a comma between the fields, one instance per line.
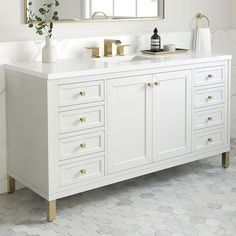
x=103, y=9
x=124, y=8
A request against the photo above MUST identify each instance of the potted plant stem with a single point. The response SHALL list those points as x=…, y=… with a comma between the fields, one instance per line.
x=43, y=21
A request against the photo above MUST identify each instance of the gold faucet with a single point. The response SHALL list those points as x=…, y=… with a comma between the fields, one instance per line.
x=108, y=46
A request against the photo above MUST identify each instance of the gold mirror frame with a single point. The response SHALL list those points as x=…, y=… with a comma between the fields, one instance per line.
x=162, y=16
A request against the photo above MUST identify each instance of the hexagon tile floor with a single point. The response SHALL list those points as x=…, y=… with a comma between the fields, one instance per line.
x=193, y=199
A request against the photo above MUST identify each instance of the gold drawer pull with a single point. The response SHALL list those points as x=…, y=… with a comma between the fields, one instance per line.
x=157, y=83
x=210, y=140
x=150, y=85
x=210, y=97
x=210, y=118
x=82, y=120
x=82, y=93
x=210, y=76
x=83, y=172
x=83, y=145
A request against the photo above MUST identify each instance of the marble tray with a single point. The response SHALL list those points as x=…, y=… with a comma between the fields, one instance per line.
x=178, y=50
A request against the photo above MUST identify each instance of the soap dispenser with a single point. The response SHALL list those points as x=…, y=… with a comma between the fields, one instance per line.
x=155, y=41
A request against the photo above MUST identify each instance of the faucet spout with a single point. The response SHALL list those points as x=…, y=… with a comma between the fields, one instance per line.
x=108, y=46
x=110, y=41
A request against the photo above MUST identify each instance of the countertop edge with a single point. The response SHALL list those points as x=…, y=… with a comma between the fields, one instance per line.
x=118, y=68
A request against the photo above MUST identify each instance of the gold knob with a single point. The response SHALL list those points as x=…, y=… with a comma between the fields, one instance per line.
x=157, y=83
x=210, y=118
x=210, y=140
x=210, y=97
x=210, y=76
x=83, y=172
x=82, y=93
x=83, y=145
x=150, y=85
x=82, y=119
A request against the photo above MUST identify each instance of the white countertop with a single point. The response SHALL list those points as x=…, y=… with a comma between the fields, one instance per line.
x=84, y=67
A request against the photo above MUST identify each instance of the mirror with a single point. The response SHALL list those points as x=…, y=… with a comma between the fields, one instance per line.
x=95, y=10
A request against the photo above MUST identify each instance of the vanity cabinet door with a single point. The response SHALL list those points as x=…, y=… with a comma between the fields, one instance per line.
x=172, y=114
x=129, y=122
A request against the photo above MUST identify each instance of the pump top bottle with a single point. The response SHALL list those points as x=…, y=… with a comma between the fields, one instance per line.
x=155, y=41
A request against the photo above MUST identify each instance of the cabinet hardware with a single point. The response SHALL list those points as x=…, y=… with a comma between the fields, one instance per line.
x=157, y=83
x=95, y=51
x=120, y=49
x=210, y=118
x=210, y=140
x=150, y=85
x=82, y=93
x=210, y=76
x=210, y=97
x=83, y=172
x=83, y=145
x=82, y=120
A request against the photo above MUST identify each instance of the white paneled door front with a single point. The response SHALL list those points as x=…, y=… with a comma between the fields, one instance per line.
x=129, y=129
x=171, y=114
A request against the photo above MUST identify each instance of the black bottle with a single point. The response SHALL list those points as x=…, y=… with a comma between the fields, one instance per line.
x=155, y=42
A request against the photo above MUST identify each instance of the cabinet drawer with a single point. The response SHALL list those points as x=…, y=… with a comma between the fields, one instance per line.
x=81, y=145
x=81, y=119
x=208, y=97
x=81, y=171
x=208, y=139
x=209, y=75
x=79, y=93
x=209, y=118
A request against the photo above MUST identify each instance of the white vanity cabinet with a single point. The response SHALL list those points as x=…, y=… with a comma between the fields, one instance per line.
x=129, y=122
x=172, y=108
x=84, y=125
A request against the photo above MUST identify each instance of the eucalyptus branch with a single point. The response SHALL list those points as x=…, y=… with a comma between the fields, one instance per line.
x=45, y=17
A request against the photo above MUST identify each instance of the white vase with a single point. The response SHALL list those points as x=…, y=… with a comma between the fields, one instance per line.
x=49, y=51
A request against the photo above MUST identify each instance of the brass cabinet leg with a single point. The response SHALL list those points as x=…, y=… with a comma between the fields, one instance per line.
x=225, y=159
x=51, y=210
x=10, y=184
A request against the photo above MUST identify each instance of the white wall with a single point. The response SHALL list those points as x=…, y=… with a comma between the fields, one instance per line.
x=179, y=17
x=233, y=14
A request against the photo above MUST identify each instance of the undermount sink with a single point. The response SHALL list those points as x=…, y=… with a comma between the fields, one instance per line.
x=117, y=59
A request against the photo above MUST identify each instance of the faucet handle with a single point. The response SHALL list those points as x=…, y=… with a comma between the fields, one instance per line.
x=120, y=49
x=95, y=52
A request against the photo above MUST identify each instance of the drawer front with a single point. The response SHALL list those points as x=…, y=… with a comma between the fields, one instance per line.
x=209, y=97
x=81, y=145
x=209, y=139
x=209, y=118
x=79, y=93
x=211, y=75
x=70, y=121
x=81, y=171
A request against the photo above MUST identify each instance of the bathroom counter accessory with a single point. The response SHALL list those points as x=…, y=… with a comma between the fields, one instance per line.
x=162, y=52
x=77, y=125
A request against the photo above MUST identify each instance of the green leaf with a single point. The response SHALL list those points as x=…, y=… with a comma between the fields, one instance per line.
x=55, y=13
x=31, y=25
x=55, y=18
x=38, y=18
x=42, y=10
x=57, y=3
